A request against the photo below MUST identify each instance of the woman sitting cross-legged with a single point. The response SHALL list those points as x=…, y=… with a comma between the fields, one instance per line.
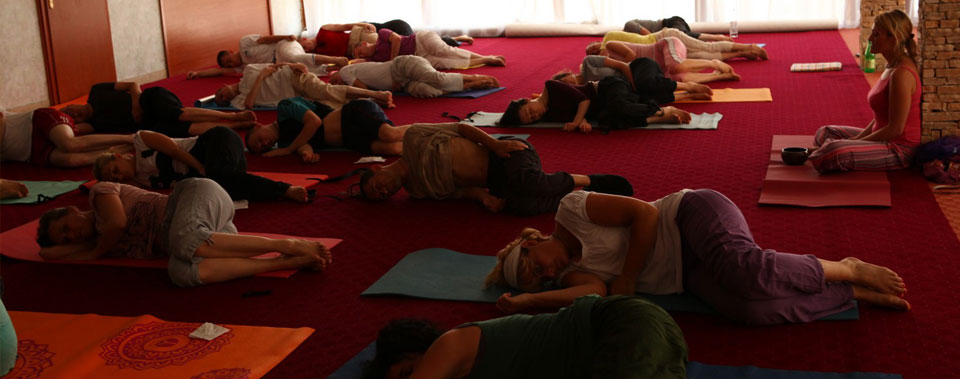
x=888, y=141
x=193, y=227
x=694, y=241
x=159, y=161
x=613, y=337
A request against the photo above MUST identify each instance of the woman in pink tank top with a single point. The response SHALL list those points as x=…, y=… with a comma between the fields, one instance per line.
x=888, y=141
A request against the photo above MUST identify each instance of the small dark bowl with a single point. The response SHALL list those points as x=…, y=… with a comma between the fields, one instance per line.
x=794, y=156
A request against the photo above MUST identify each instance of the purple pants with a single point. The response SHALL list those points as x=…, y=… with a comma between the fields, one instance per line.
x=725, y=268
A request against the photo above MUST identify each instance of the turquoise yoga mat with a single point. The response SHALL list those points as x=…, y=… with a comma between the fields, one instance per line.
x=353, y=369
x=208, y=103
x=470, y=94
x=41, y=191
x=443, y=274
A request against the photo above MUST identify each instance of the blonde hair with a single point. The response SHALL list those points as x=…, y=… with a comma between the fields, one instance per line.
x=898, y=24
x=102, y=160
x=495, y=277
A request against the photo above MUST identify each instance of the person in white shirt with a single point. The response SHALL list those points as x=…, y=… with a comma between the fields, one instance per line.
x=255, y=48
x=411, y=74
x=696, y=241
x=267, y=84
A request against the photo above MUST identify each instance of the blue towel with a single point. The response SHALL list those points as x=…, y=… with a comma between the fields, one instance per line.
x=353, y=369
x=443, y=274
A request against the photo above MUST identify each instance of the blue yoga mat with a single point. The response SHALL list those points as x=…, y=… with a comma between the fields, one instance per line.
x=207, y=103
x=353, y=369
x=498, y=135
x=472, y=94
x=43, y=189
x=443, y=274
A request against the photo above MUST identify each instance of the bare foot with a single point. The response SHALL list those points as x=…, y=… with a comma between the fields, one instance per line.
x=880, y=299
x=722, y=66
x=245, y=116
x=701, y=88
x=495, y=60
x=879, y=278
x=759, y=51
x=730, y=76
x=464, y=39
x=297, y=193
x=494, y=204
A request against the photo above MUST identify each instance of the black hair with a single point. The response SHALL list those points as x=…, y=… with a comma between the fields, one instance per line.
x=511, y=116
x=562, y=74
x=397, y=340
x=43, y=230
x=221, y=56
x=365, y=175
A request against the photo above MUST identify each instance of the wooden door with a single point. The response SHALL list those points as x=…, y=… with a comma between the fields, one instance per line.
x=77, y=46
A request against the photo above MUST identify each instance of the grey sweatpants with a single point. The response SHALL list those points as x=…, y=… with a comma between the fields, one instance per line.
x=418, y=77
x=197, y=208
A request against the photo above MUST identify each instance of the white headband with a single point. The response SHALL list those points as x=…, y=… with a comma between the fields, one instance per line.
x=510, y=265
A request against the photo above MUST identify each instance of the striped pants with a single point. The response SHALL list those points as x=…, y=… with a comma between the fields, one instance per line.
x=838, y=153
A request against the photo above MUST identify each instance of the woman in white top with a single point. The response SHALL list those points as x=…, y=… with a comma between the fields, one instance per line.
x=696, y=241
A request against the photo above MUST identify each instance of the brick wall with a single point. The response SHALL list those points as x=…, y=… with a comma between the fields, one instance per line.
x=940, y=54
x=868, y=10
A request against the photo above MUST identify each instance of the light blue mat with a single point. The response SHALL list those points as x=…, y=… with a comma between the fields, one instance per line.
x=443, y=274
x=702, y=121
x=498, y=135
x=470, y=94
x=43, y=189
x=207, y=103
x=353, y=369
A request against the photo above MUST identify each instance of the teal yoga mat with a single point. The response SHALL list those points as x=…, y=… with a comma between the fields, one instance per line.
x=698, y=121
x=470, y=94
x=353, y=369
x=207, y=103
x=443, y=274
x=43, y=190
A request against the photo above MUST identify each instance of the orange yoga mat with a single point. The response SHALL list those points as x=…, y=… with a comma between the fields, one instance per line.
x=736, y=95
x=53, y=345
x=303, y=180
x=21, y=243
x=804, y=186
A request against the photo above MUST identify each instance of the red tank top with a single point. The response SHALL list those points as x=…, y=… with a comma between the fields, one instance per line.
x=332, y=43
x=879, y=99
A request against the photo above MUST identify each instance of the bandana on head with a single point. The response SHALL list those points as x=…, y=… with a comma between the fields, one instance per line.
x=511, y=263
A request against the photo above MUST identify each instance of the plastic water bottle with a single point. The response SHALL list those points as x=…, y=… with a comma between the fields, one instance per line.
x=733, y=29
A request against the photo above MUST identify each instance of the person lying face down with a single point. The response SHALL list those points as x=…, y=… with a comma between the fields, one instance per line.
x=613, y=102
x=268, y=84
x=459, y=161
x=688, y=241
x=193, y=227
x=305, y=127
x=426, y=44
x=158, y=161
x=613, y=337
x=697, y=49
x=411, y=74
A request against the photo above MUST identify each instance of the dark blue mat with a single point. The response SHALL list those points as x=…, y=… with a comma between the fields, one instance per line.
x=209, y=104
x=472, y=94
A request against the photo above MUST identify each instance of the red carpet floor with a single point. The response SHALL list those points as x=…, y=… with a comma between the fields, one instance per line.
x=912, y=237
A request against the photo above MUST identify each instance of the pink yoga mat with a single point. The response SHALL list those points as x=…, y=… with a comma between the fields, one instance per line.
x=804, y=186
x=20, y=243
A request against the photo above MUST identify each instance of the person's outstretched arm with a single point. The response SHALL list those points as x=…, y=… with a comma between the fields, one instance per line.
x=112, y=221
x=133, y=89
x=167, y=146
x=210, y=72
x=642, y=219
x=266, y=40
x=575, y=283
x=502, y=148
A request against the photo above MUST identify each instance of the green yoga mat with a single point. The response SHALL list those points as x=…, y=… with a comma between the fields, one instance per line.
x=443, y=274
x=353, y=369
x=41, y=191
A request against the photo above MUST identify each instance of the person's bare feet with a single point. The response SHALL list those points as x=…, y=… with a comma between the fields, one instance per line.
x=495, y=60
x=722, y=66
x=728, y=75
x=464, y=39
x=759, y=52
x=880, y=278
x=880, y=299
x=297, y=193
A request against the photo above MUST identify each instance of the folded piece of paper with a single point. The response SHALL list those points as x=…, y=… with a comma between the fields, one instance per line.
x=208, y=331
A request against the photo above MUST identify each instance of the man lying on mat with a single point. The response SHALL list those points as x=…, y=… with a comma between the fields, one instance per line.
x=48, y=137
x=695, y=241
x=426, y=44
x=889, y=140
x=411, y=74
x=123, y=108
x=459, y=161
x=612, y=337
x=158, y=161
x=267, y=84
x=193, y=227
x=305, y=127
x=255, y=48
x=697, y=49
x=644, y=27
x=614, y=102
